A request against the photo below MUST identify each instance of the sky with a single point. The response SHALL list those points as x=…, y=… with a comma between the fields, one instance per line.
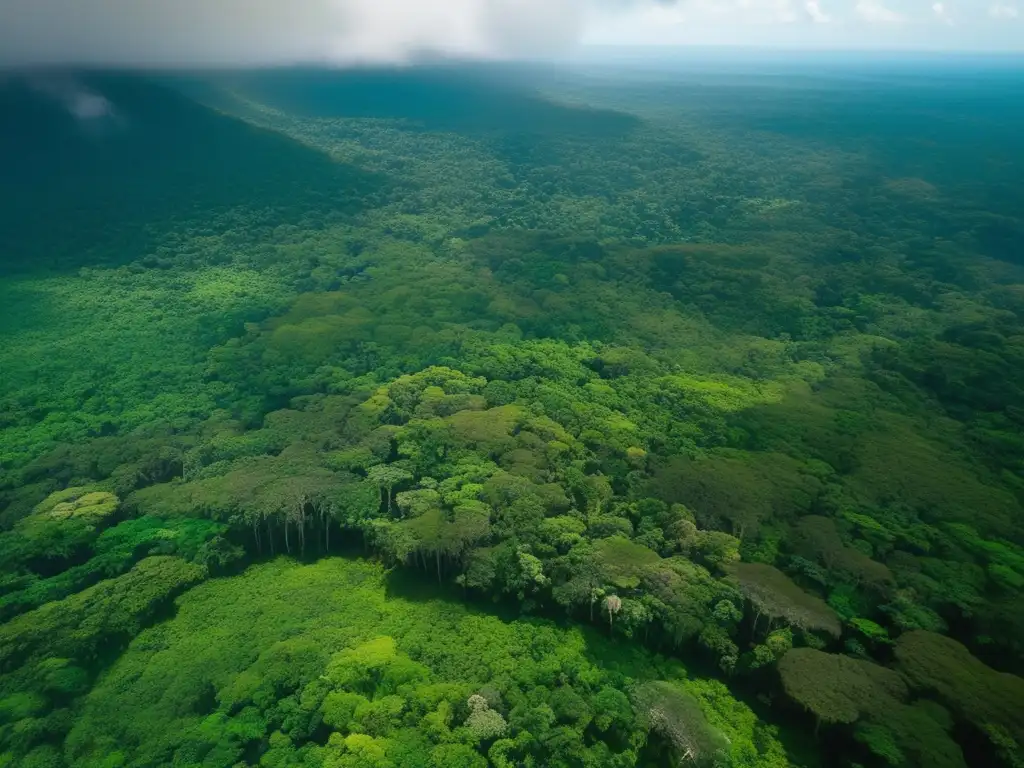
x=932, y=25
x=243, y=32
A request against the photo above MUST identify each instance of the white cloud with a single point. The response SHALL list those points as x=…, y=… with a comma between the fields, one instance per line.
x=655, y=14
x=940, y=11
x=696, y=22
x=874, y=12
x=768, y=11
x=80, y=102
x=999, y=11
x=736, y=12
x=818, y=16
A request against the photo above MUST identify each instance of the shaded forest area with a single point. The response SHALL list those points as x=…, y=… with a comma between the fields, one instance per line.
x=698, y=397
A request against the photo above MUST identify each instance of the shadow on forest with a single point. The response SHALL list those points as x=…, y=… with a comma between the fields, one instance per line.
x=421, y=585
x=103, y=189
x=409, y=582
x=433, y=98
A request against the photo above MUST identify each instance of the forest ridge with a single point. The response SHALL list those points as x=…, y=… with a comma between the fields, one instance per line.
x=514, y=417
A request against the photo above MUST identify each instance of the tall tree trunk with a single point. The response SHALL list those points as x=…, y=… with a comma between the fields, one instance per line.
x=302, y=527
x=287, y=544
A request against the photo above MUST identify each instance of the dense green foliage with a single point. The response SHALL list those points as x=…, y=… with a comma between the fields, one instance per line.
x=320, y=667
x=670, y=370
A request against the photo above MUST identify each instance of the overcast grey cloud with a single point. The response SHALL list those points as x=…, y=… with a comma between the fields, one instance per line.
x=240, y=32
x=212, y=32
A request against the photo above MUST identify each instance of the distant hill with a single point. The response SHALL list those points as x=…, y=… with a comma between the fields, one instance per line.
x=486, y=100
x=99, y=188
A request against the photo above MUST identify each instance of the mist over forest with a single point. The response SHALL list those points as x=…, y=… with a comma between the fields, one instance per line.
x=643, y=410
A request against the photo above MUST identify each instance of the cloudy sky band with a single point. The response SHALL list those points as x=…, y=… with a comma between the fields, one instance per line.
x=211, y=32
